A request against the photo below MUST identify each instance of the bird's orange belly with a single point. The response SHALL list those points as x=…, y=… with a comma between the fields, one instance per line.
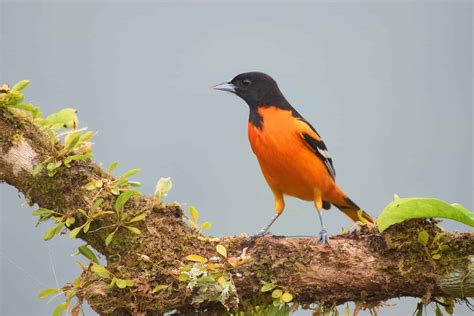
x=288, y=165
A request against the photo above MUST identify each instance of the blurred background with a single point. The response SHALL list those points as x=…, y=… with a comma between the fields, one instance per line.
x=388, y=84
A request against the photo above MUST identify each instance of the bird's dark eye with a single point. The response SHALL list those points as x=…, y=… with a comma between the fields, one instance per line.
x=246, y=82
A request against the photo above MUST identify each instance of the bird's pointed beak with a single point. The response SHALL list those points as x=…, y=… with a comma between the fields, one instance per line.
x=226, y=86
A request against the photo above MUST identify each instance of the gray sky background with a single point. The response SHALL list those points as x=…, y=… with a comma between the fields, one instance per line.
x=386, y=83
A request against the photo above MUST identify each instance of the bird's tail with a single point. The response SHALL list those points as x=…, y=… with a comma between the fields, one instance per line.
x=354, y=212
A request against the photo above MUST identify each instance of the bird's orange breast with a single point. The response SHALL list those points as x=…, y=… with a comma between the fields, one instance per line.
x=288, y=164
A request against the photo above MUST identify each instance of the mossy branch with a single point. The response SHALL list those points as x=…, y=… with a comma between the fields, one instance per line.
x=364, y=266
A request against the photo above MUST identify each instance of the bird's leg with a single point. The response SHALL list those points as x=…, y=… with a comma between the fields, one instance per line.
x=318, y=203
x=279, y=207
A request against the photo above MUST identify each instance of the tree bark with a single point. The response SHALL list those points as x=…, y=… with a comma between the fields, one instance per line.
x=363, y=266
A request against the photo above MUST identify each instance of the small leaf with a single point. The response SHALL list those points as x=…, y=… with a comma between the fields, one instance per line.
x=112, y=166
x=287, y=297
x=206, y=279
x=101, y=271
x=436, y=256
x=222, y=281
x=66, y=118
x=53, y=231
x=97, y=204
x=423, y=237
x=58, y=311
x=109, y=238
x=20, y=85
x=71, y=141
x=87, y=225
x=69, y=221
x=75, y=232
x=130, y=173
x=94, y=184
x=54, y=165
x=183, y=277
x=196, y=258
x=123, y=198
x=277, y=293
x=221, y=250
x=38, y=168
x=121, y=283
x=194, y=214
x=134, y=230
x=267, y=287
x=86, y=252
x=438, y=311
x=138, y=218
x=42, y=212
x=206, y=225
x=159, y=288
x=47, y=292
x=71, y=158
x=163, y=186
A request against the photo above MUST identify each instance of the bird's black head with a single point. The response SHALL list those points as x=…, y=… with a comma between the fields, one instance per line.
x=256, y=88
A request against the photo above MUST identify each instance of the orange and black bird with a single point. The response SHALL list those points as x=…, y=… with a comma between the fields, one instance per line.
x=292, y=155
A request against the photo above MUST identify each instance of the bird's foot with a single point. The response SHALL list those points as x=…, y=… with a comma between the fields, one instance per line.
x=323, y=237
x=253, y=238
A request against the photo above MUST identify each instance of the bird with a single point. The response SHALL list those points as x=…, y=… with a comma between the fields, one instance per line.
x=292, y=155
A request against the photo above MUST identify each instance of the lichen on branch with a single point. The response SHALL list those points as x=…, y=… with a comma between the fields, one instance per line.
x=159, y=259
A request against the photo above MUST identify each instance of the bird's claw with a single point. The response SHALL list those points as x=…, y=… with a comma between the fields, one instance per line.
x=323, y=237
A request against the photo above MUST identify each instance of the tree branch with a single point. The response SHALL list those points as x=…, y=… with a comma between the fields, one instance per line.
x=362, y=266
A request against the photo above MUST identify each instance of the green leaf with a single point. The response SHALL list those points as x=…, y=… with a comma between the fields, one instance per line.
x=47, y=292
x=68, y=159
x=86, y=252
x=347, y=310
x=38, y=168
x=134, y=230
x=66, y=118
x=94, y=184
x=267, y=287
x=121, y=283
x=53, y=231
x=28, y=107
x=123, y=198
x=72, y=140
x=404, y=209
x=196, y=258
x=70, y=221
x=112, y=166
x=206, y=225
x=277, y=293
x=75, y=232
x=159, y=288
x=183, y=277
x=423, y=237
x=138, y=218
x=20, y=85
x=436, y=256
x=287, y=297
x=54, y=165
x=109, y=238
x=42, y=212
x=87, y=225
x=163, y=186
x=101, y=271
x=134, y=184
x=58, y=311
x=194, y=214
x=438, y=311
x=130, y=173
x=97, y=204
